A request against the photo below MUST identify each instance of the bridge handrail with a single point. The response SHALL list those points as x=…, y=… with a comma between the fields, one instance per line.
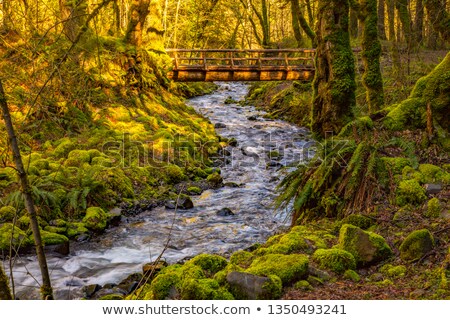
x=305, y=50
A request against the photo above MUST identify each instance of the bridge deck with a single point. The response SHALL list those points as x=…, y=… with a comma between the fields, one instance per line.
x=241, y=65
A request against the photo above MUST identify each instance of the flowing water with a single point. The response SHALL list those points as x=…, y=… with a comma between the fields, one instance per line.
x=123, y=250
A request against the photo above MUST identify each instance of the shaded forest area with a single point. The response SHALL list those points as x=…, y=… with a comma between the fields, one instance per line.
x=85, y=83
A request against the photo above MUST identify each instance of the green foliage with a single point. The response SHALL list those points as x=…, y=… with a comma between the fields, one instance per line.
x=393, y=271
x=51, y=238
x=204, y=289
x=416, y=245
x=410, y=192
x=289, y=268
x=336, y=260
x=7, y=214
x=242, y=258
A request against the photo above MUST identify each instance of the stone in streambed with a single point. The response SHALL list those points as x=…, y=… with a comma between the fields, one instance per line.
x=249, y=286
x=225, y=212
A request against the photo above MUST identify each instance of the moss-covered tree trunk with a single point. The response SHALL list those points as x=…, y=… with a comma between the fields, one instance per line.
x=5, y=292
x=418, y=22
x=439, y=17
x=353, y=24
x=334, y=80
x=295, y=9
x=139, y=12
x=371, y=51
x=381, y=20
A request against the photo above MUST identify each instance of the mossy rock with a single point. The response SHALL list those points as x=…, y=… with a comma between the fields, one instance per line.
x=204, y=289
x=289, y=243
x=416, y=245
x=410, y=192
x=75, y=229
x=65, y=145
x=174, y=174
x=247, y=286
x=77, y=158
x=432, y=173
x=102, y=161
x=51, y=238
x=112, y=296
x=289, y=268
x=10, y=234
x=221, y=276
x=303, y=285
x=396, y=164
x=194, y=190
x=355, y=219
x=336, y=260
x=215, y=179
x=242, y=258
x=7, y=214
x=53, y=229
x=352, y=275
x=95, y=219
x=433, y=208
x=209, y=262
x=366, y=247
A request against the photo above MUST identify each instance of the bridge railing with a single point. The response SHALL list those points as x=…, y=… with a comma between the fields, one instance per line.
x=236, y=59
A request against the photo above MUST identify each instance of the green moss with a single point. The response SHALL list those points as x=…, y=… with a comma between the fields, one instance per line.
x=410, y=192
x=204, y=289
x=288, y=243
x=209, y=262
x=221, y=276
x=174, y=174
x=215, y=178
x=396, y=164
x=352, y=275
x=194, y=190
x=95, y=219
x=303, y=285
x=366, y=247
x=355, y=219
x=416, y=245
x=242, y=258
x=289, y=268
x=115, y=180
x=51, y=238
x=408, y=113
x=23, y=222
x=102, y=161
x=7, y=214
x=432, y=173
x=113, y=296
x=274, y=287
x=75, y=229
x=433, y=208
x=77, y=158
x=393, y=271
x=336, y=260
x=60, y=230
x=9, y=234
x=162, y=284
x=65, y=145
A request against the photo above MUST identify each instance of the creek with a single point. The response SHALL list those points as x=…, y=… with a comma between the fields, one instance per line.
x=252, y=169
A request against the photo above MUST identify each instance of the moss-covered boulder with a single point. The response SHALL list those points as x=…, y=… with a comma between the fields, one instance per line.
x=242, y=258
x=7, y=214
x=366, y=247
x=77, y=158
x=95, y=219
x=336, y=260
x=210, y=263
x=416, y=245
x=245, y=285
x=355, y=219
x=204, y=289
x=215, y=179
x=75, y=229
x=433, y=208
x=393, y=271
x=54, y=242
x=9, y=234
x=289, y=268
x=410, y=192
x=352, y=275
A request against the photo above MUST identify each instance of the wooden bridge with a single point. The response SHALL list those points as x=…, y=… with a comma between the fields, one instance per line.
x=241, y=65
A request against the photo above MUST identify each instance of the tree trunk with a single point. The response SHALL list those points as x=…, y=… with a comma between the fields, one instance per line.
x=353, y=24
x=265, y=24
x=334, y=80
x=295, y=9
x=305, y=26
x=439, y=17
x=403, y=14
x=381, y=21
x=371, y=52
x=139, y=12
x=5, y=292
x=46, y=288
x=418, y=22
x=391, y=19
x=74, y=14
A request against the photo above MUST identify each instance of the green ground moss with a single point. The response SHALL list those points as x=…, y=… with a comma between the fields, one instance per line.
x=11, y=235
x=352, y=275
x=289, y=268
x=336, y=260
x=433, y=208
x=242, y=258
x=209, y=262
x=7, y=214
x=410, y=192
